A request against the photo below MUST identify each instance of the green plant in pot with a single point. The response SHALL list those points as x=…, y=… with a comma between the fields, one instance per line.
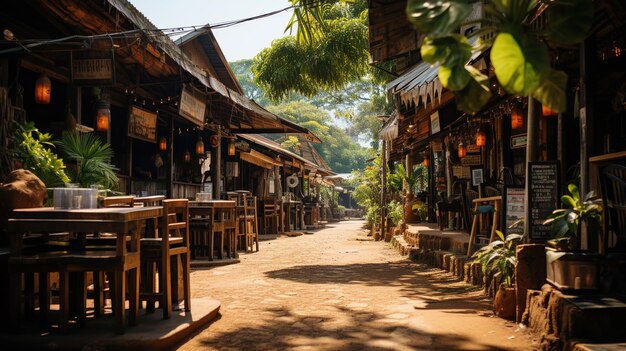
x=567, y=266
x=411, y=177
x=566, y=223
x=497, y=261
x=91, y=158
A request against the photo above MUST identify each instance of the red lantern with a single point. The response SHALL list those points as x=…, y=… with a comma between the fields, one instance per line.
x=517, y=119
x=547, y=111
x=187, y=157
x=42, y=90
x=163, y=144
x=199, y=146
x=103, y=114
x=481, y=138
x=426, y=161
x=461, y=151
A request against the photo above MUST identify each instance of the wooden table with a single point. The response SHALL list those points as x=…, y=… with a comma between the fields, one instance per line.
x=223, y=211
x=298, y=220
x=493, y=200
x=122, y=221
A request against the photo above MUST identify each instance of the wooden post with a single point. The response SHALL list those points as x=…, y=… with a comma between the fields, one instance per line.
x=586, y=127
x=170, y=160
x=531, y=150
x=383, y=193
x=216, y=169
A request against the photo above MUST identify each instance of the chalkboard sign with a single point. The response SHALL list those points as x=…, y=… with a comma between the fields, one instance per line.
x=543, y=197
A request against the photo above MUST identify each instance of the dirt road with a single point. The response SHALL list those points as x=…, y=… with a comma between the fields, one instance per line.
x=334, y=290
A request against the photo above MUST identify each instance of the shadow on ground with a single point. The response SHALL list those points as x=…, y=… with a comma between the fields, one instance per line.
x=439, y=289
x=358, y=330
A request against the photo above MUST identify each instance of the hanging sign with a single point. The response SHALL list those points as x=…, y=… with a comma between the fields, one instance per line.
x=473, y=149
x=92, y=68
x=461, y=172
x=518, y=141
x=471, y=160
x=543, y=178
x=142, y=124
x=192, y=105
x=435, y=127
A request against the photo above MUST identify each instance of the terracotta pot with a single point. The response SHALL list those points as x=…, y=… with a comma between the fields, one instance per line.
x=375, y=233
x=409, y=215
x=504, y=304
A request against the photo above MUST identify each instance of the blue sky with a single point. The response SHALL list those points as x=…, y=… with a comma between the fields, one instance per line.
x=240, y=41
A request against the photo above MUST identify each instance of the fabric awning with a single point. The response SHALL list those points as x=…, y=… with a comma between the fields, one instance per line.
x=390, y=129
x=259, y=159
x=421, y=84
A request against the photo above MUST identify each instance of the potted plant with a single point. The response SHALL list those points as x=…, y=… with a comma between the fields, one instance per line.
x=498, y=265
x=411, y=177
x=568, y=267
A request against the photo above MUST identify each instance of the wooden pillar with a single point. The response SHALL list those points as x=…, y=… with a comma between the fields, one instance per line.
x=216, y=169
x=169, y=178
x=586, y=125
x=534, y=111
x=383, y=193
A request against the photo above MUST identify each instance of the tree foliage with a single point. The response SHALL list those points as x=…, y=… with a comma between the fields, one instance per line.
x=519, y=52
x=329, y=50
x=341, y=152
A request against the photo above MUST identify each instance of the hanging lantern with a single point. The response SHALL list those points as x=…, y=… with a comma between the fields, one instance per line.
x=461, y=151
x=103, y=114
x=199, y=146
x=42, y=90
x=162, y=144
x=547, y=111
x=231, y=148
x=481, y=138
x=187, y=157
x=426, y=161
x=517, y=119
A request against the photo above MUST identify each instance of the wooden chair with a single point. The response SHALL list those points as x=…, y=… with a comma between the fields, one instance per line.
x=165, y=251
x=118, y=201
x=613, y=186
x=246, y=220
x=204, y=230
x=270, y=216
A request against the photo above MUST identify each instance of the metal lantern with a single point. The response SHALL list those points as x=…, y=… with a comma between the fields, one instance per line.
x=517, y=119
x=481, y=138
x=187, y=157
x=547, y=111
x=163, y=144
x=42, y=90
x=461, y=151
x=199, y=146
x=103, y=114
x=231, y=148
x=426, y=161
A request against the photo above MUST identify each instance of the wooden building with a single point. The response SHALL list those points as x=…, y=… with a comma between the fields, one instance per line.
x=164, y=100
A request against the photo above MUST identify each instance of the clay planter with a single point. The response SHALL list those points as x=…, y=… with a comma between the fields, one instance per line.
x=504, y=302
x=573, y=270
x=375, y=233
x=409, y=215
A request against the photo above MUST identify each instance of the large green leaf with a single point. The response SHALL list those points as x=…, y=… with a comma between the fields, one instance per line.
x=450, y=50
x=569, y=20
x=520, y=62
x=551, y=91
x=454, y=78
x=438, y=17
x=476, y=93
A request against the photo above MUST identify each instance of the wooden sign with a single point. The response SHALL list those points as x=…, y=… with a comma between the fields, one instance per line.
x=471, y=160
x=473, y=149
x=142, y=124
x=514, y=209
x=192, y=106
x=544, y=197
x=461, y=172
x=92, y=68
x=436, y=146
x=435, y=127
